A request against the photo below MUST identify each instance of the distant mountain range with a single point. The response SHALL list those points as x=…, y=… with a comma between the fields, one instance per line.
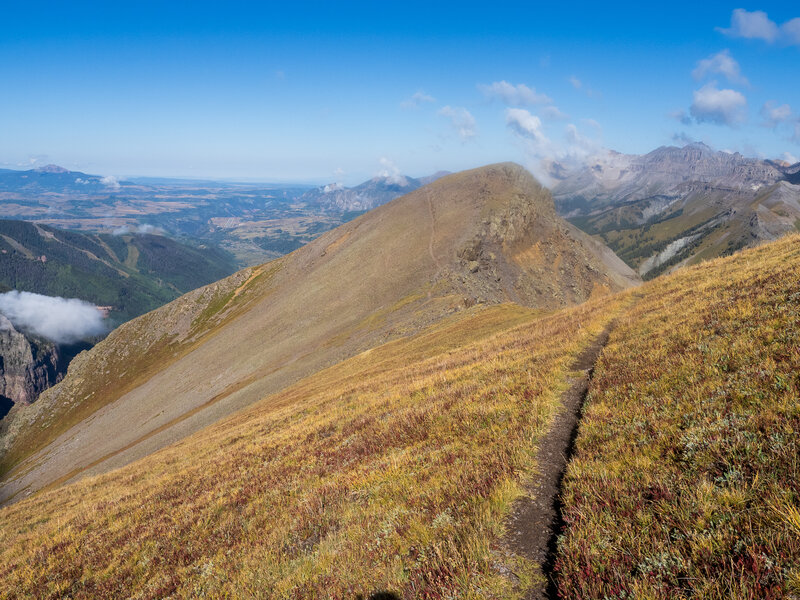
x=675, y=206
x=379, y=190
x=52, y=178
x=253, y=221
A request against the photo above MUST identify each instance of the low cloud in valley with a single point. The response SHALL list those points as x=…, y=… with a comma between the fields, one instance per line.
x=61, y=320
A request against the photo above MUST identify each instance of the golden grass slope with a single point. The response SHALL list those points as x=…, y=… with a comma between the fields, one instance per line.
x=483, y=236
x=395, y=470
x=392, y=470
x=686, y=478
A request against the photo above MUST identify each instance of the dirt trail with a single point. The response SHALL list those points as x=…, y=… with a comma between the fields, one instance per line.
x=536, y=519
x=432, y=238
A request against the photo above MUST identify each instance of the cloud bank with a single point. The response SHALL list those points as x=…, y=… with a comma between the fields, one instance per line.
x=547, y=157
x=721, y=107
x=143, y=228
x=721, y=63
x=775, y=114
x=461, y=120
x=61, y=320
x=110, y=181
x=528, y=126
x=417, y=100
x=513, y=95
x=757, y=25
x=391, y=172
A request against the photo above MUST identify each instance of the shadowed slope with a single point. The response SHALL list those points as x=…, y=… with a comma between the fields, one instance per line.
x=487, y=235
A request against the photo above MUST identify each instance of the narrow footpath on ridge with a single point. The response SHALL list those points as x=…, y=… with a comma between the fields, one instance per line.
x=536, y=520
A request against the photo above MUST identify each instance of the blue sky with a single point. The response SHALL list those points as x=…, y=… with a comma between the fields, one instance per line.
x=339, y=92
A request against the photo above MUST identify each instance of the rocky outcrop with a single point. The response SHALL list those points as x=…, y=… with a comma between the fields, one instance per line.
x=668, y=172
x=336, y=198
x=28, y=365
x=676, y=206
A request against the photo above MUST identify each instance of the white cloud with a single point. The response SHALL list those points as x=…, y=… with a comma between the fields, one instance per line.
x=790, y=158
x=110, y=181
x=143, y=228
x=593, y=123
x=461, y=120
x=791, y=31
x=514, y=95
x=722, y=63
x=529, y=126
x=537, y=146
x=681, y=116
x=580, y=146
x=554, y=114
x=751, y=25
x=544, y=155
x=721, y=107
x=775, y=114
x=391, y=172
x=682, y=138
x=581, y=86
x=417, y=100
x=62, y=320
x=757, y=25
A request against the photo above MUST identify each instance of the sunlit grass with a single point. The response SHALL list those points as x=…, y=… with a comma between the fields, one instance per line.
x=393, y=470
x=686, y=480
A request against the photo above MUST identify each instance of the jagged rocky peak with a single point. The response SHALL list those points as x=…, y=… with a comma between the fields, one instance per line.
x=668, y=171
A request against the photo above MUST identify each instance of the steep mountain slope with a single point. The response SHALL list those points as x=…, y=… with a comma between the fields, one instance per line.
x=488, y=235
x=676, y=206
x=132, y=274
x=686, y=480
x=396, y=469
x=391, y=470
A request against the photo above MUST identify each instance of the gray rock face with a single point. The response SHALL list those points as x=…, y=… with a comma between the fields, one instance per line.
x=675, y=206
x=368, y=195
x=666, y=173
x=28, y=365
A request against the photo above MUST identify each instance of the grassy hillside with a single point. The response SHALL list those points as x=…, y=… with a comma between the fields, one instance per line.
x=132, y=273
x=484, y=236
x=397, y=468
x=392, y=470
x=686, y=480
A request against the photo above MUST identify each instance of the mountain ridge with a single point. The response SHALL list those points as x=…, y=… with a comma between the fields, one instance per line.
x=676, y=206
x=368, y=194
x=484, y=236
